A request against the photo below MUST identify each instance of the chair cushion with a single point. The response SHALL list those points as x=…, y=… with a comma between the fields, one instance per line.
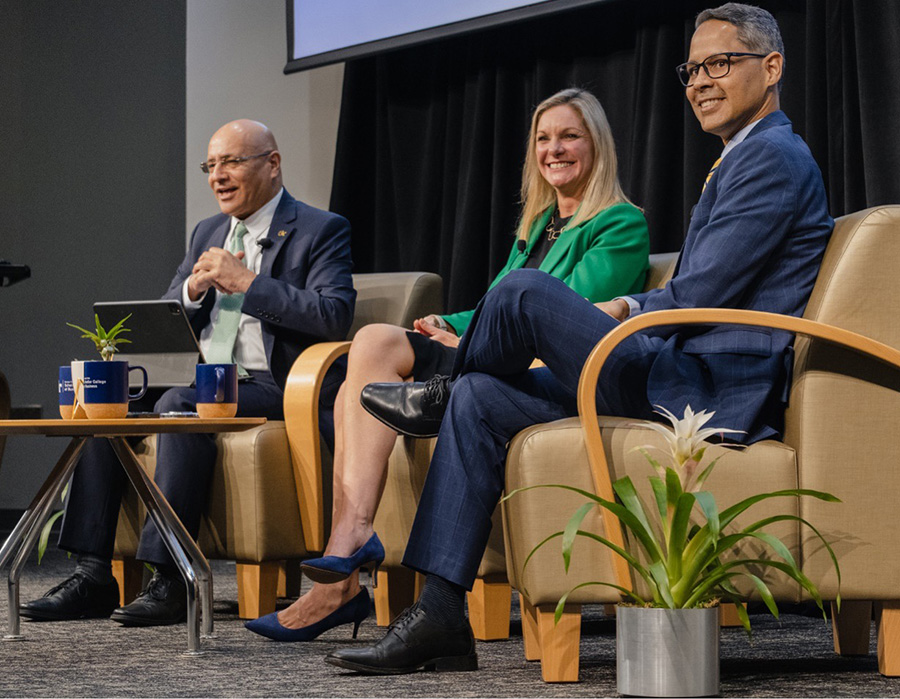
x=252, y=514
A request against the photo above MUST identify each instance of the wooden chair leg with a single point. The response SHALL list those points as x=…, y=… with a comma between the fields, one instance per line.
x=289, y=578
x=850, y=627
x=397, y=589
x=257, y=588
x=887, y=621
x=728, y=615
x=129, y=574
x=489, y=609
x=559, y=643
x=530, y=634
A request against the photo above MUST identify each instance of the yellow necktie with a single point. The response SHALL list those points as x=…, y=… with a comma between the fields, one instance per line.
x=709, y=176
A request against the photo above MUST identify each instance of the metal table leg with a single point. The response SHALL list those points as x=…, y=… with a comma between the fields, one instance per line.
x=177, y=540
x=28, y=529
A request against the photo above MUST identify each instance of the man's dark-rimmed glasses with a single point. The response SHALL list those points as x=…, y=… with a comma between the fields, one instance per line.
x=716, y=66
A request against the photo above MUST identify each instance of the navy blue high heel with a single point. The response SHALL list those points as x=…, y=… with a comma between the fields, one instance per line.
x=332, y=569
x=356, y=611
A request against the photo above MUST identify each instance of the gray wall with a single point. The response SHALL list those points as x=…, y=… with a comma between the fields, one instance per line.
x=107, y=109
x=92, y=187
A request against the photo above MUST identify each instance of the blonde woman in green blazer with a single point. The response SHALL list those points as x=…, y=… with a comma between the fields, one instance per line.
x=577, y=225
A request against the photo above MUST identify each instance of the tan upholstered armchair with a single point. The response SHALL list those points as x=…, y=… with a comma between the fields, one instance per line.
x=839, y=434
x=270, y=500
x=489, y=601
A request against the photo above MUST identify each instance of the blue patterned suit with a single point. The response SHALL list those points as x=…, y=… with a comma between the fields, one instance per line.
x=303, y=294
x=755, y=241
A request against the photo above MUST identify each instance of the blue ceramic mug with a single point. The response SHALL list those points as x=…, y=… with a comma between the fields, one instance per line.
x=66, y=393
x=105, y=389
x=217, y=390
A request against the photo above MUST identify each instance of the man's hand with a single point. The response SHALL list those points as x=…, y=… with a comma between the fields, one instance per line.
x=221, y=270
x=428, y=327
x=617, y=308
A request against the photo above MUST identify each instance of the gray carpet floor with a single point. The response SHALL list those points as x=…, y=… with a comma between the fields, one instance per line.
x=791, y=657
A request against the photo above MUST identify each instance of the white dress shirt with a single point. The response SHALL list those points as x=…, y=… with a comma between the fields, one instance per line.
x=249, y=350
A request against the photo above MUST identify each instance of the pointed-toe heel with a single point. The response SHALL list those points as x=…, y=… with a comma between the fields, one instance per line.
x=355, y=611
x=332, y=569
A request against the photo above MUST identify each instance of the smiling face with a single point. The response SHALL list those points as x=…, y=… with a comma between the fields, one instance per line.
x=243, y=188
x=565, y=154
x=725, y=105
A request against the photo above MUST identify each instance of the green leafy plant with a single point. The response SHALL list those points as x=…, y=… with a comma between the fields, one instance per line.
x=682, y=549
x=106, y=341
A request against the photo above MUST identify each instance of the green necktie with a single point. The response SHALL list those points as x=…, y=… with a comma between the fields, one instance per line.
x=225, y=330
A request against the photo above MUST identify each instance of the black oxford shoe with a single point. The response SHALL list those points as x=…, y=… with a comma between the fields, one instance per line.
x=76, y=597
x=415, y=409
x=164, y=602
x=413, y=642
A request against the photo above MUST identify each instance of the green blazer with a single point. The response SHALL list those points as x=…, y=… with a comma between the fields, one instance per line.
x=604, y=257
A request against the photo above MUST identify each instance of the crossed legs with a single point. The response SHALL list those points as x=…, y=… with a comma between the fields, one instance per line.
x=362, y=448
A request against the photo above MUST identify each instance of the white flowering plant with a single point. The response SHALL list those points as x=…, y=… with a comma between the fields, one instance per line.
x=684, y=552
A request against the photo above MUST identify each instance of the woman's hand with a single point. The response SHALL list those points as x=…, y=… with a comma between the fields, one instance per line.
x=429, y=327
x=426, y=325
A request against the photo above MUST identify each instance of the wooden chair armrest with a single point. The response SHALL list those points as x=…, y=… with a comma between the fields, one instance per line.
x=301, y=418
x=590, y=374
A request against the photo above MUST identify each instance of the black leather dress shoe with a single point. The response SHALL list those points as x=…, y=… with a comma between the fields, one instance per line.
x=76, y=597
x=414, y=409
x=413, y=642
x=164, y=602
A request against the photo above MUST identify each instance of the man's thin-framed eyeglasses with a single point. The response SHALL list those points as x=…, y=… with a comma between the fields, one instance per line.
x=229, y=163
x=716, y=66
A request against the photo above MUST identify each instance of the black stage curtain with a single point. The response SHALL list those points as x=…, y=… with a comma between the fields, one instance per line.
x=431, y=139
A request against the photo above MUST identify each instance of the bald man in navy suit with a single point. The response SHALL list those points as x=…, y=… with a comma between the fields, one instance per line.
x=282, y=269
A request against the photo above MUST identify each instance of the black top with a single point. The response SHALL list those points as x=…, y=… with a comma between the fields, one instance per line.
x=548, y=237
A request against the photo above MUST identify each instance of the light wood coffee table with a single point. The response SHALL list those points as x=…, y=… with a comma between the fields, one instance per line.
x=190, y=561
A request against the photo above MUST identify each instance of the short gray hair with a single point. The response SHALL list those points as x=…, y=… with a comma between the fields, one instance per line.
x=756, y=28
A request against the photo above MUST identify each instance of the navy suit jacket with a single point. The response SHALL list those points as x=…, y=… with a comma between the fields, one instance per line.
x=755, y=241
x=303, y=293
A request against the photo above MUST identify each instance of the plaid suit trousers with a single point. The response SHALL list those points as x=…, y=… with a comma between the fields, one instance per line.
x=528, y=315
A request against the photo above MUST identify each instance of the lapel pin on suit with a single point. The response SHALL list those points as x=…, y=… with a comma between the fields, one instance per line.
x=282, y=233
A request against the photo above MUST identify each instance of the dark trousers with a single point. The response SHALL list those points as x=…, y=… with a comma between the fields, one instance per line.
x=528, y=315
x=184, y=469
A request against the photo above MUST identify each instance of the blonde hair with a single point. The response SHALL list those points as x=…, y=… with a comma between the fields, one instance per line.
x=602, y=189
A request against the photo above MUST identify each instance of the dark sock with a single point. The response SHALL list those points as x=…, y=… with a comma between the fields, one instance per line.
x=96, y=569
x=443, y=601
x=170, y=572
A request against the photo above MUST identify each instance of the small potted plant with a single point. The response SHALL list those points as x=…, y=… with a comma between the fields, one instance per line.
x=101, y=388
x=106, y=341
x=682, y=550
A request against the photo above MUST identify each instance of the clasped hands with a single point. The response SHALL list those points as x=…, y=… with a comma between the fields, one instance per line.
x=221, y=270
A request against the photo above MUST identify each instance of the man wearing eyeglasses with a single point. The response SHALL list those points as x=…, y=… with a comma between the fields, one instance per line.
x=260, y=282
x=755, y=241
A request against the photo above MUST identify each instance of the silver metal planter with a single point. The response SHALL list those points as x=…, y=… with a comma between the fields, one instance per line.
x=667, y=652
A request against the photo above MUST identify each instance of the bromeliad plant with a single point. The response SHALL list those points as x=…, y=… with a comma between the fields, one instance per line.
x=684, y=558
x=105, y=341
